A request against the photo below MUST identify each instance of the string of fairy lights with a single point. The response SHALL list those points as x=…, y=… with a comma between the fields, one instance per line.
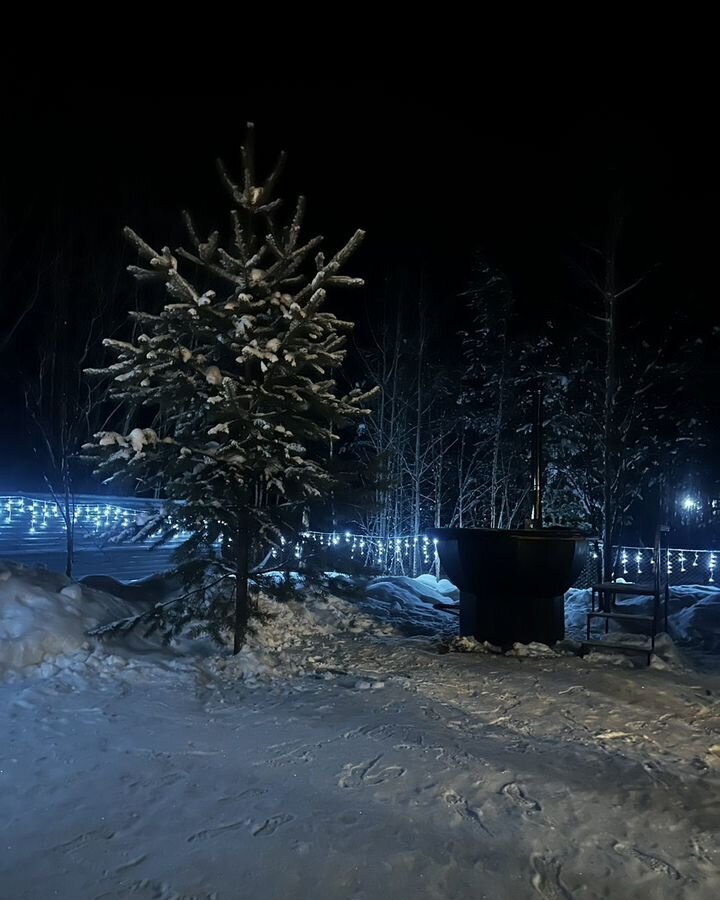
x=636, y=560
x=33, y=517
x=389, y=554
x=39, y=514
x=28, y=518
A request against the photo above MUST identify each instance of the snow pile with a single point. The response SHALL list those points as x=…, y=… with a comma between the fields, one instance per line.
x=667, y=655
x=409, y=603
x=44, y=616
x=577, y=606
x=292, y=637
x=533, y=650
x=44, y=620
x=297, y=636
x=468, y=644
x=441, y=586
x=698, y=621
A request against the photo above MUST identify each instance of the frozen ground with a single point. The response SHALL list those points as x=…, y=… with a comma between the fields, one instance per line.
x=345, y=755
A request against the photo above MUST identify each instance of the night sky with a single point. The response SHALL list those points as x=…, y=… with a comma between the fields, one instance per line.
x=434, y=173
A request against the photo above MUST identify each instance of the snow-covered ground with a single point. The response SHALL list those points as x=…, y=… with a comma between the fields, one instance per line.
x=345, y=754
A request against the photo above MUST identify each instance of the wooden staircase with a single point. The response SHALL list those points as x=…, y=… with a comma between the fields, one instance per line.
x=606, y=604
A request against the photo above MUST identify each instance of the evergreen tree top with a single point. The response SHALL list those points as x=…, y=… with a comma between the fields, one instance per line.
x=229, y=386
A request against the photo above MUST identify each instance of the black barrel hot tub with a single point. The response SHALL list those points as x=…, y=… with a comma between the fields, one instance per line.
x=512, y=583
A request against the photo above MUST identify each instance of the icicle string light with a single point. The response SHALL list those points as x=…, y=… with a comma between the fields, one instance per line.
x=94, y=517
x=398, y=554
x=36, y=518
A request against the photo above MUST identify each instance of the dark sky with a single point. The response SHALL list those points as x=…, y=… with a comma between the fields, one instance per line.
x=433, y=171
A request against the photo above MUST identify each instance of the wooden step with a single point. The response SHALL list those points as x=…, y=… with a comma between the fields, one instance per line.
x=626, y=617
x=620, y=587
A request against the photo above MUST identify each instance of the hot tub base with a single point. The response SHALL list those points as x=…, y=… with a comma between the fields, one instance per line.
x=507, y=619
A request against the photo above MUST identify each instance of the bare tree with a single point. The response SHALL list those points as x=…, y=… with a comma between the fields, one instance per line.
x=624, y=425
x=62, y=406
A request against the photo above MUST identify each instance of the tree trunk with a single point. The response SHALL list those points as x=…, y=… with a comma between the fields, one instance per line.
x=394, y=445
x=439, y=462
x=494, y=489
x=418, y=434
x=609, y=422
x=69, y=515
x=242, y=555
x=332, y=493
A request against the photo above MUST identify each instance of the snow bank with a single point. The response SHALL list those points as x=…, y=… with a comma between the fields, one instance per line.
x=697, y=622
x=44, y=620
x=44, y=615
x=409, y=603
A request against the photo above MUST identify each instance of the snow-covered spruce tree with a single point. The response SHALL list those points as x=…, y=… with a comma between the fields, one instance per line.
x=228, y=387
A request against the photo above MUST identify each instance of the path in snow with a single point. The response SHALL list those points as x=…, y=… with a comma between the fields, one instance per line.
x=410, y=773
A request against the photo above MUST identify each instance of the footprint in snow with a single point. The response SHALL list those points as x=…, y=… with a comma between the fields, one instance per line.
x=82, y=840
x=546, y=879
x=514, y=792
x=250, y=792
x=271, y=825
x=300, y=754
x=364, y=773
x=146, y=889
x=130, y=864
x=469, y=813
x=207, y=833
x=652, y=862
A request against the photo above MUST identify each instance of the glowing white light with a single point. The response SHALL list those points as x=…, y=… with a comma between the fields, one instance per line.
x=690, y=504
